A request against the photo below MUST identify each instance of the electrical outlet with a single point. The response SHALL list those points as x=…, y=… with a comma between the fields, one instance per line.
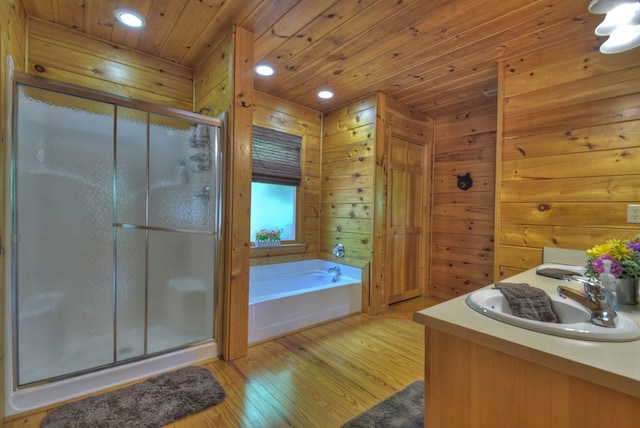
x=633, y=213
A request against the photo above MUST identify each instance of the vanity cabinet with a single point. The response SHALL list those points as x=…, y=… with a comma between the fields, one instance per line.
x=468, y=384
x=480, y=372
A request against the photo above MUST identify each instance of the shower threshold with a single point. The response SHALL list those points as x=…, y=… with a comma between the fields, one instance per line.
x=49, y=394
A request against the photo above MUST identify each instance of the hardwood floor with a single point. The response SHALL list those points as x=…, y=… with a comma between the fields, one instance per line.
x=319, y=377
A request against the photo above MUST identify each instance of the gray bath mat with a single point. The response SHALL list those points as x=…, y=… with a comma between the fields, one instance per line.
x=404, y=409
x=152, y=403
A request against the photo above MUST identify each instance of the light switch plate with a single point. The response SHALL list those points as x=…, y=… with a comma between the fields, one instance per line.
x=633, y=213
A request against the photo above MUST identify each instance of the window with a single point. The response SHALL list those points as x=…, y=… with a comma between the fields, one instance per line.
x=273, y=206
x=275, y=180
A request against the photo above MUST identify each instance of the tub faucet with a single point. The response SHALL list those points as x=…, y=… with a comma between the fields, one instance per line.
x=338, y=250
x=595, y=299
x=335, y=269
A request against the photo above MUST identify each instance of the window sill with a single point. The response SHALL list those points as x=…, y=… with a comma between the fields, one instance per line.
x=280, y=250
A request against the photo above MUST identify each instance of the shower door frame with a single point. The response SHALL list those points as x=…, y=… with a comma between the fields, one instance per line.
x=118, y=101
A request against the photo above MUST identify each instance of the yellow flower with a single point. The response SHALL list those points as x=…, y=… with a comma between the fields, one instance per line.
x=598, y=250
x=619, y=250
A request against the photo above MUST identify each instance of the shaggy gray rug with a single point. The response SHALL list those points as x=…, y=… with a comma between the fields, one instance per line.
x=152, y=403
x=404, y=409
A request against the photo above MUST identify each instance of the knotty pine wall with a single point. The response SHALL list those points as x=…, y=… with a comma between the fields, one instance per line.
x=224, y=83
x=12, y=42
x=569, y=153
x=462, y=226
x=213, y=81
x=347, y=189
x=275, y=113
x=68, y=56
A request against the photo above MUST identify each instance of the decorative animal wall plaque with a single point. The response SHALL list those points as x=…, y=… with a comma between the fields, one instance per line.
x=464, y=181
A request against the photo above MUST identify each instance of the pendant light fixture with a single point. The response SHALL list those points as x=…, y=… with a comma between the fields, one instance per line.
x=621, y=24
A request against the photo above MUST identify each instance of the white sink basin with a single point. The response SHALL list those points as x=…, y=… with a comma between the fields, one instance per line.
x=575, y=319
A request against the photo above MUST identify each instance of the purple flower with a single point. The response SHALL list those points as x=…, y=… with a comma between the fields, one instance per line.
x=635, y=246
x=616, y=267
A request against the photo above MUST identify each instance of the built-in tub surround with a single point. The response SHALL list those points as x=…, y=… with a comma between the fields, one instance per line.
x=285, y=297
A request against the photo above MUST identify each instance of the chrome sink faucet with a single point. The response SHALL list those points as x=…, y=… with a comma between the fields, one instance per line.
x=335, y=269
x=596, y=301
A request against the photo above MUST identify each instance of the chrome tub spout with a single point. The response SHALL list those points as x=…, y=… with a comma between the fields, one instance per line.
x=335, y=269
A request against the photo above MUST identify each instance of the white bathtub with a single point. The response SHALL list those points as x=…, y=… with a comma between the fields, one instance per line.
x=285, y=297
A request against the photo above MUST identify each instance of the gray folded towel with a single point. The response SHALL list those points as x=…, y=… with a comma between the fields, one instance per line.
x=556, y=273
x=528, y=302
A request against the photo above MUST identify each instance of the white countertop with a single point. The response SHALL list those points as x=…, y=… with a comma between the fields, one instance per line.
x=615, y=365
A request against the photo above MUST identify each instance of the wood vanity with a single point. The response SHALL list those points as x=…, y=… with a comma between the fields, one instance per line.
x=480, y=372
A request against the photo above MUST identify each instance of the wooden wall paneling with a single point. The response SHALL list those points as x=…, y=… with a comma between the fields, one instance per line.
x=462, y=222
x=377, y=302
x=347, y=189
x=498, y=270
x=238, y=198
x=569, y=151
x=526, y=235
x=577, y=214
x=521, y=257
x=69, y=56
x=561, y=69
x=213, y=86
x=618, y=82
x=13, y=25
x=213, y=80
x=575, y=140
x=272, y=112
x=598, y=112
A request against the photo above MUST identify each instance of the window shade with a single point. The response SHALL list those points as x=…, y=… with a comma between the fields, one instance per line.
x=276, y=157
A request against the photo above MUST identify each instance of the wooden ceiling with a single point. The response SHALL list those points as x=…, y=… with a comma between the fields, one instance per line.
x=437, y=56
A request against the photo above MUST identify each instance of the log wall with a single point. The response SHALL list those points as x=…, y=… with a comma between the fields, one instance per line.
x=462, y=227
x=569, y=152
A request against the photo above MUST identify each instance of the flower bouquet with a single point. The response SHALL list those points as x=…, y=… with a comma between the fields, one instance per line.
x=268, y=237
x=624, y=256
x=625, y=266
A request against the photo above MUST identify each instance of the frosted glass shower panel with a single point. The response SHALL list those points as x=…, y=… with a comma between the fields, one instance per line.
x=130, y=293
x=181, y=187
x=131, y=166
x=181, y=278
x=63, y=241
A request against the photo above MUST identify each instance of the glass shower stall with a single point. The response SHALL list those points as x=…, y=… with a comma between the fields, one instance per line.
x=116, y=218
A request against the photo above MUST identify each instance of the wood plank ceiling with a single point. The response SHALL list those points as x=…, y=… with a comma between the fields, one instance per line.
x=437, y=56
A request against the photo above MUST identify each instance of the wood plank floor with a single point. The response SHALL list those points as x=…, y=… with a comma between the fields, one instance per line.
x=319, y=377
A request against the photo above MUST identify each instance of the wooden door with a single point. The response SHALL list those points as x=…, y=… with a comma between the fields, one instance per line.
x=405, y=213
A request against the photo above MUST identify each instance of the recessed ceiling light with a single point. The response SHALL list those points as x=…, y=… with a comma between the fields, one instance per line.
x=129, y=18
x=264, y=70
x=325, y=94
